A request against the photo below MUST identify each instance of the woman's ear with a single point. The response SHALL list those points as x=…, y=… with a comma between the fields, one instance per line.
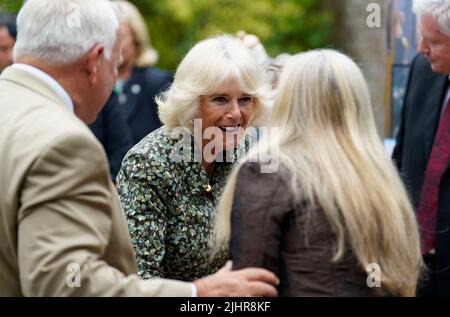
x=93, y=61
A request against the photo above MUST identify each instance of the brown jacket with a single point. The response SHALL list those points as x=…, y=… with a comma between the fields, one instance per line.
x=268, y=232
x=58, y=208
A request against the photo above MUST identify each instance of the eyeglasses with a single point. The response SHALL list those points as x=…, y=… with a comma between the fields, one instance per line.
x=225, y=100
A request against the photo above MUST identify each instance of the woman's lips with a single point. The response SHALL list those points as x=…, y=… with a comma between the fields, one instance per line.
x=230, y=129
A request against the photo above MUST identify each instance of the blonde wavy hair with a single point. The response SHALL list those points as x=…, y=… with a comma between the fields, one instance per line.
x=329, y=145
x=146, y=55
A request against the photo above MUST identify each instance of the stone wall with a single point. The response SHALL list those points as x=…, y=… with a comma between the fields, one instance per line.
x=368, y=46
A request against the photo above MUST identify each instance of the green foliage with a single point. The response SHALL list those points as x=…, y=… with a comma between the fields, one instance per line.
x=282, y=25
x=10, y=5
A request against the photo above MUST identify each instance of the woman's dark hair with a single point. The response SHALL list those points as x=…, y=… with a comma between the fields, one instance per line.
x=8, y=20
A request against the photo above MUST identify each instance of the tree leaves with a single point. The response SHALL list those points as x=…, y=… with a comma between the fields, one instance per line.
x=282, y=25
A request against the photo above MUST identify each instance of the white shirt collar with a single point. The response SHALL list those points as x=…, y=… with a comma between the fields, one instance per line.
x=446, y=99
x=49, y=80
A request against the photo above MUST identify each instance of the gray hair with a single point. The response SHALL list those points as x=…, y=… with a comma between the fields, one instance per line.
x=62, y=31
x=440, y=9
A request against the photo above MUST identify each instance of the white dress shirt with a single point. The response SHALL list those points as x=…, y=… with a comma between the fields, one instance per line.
x=446, y=99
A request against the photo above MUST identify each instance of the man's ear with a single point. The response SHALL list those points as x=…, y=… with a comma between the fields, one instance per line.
x=93, y=60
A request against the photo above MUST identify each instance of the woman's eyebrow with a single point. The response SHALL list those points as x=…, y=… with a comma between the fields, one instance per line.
x=227, y=94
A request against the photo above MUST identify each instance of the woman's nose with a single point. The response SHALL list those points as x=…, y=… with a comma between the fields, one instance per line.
x=234, y=113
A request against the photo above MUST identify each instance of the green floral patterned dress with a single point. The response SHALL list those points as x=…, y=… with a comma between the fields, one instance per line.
x=170, y=215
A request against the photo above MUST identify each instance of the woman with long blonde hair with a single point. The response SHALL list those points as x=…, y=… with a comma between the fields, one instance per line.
x=334, y=218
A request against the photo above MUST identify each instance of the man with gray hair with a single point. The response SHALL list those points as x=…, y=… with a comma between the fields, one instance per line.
x=422, y=153
x=62, y=231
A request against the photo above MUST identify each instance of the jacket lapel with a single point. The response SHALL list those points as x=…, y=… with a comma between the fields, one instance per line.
x=131, y=107
x=435, y=100
x=30, y=81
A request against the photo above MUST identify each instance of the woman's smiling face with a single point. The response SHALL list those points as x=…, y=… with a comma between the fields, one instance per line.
x=226, y=114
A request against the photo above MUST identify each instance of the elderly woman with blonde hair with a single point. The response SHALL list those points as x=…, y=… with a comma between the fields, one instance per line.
x=334, y=219
x=170, y=182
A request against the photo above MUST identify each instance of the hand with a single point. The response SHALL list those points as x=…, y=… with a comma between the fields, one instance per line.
x=243, y=283
x=249, y=40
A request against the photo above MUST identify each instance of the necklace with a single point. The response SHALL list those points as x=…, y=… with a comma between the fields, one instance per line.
x=208, y=187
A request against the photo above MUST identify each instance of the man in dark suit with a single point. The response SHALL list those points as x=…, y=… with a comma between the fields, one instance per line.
x=422, y=153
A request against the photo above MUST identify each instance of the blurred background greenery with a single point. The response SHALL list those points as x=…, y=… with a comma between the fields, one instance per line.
x=10, y=5
x=282, y=25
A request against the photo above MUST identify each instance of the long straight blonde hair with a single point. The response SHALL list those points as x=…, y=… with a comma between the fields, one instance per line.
x=329, y=144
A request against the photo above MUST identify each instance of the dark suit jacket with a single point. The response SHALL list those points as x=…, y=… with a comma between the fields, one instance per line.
x=422, y=109
x=112, y=131
x=138, y=100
